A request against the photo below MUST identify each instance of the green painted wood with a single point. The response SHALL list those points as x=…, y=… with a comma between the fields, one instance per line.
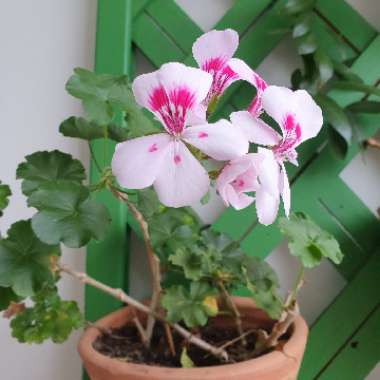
x=350, y=24
x=359, y=355
x=342, y=319
x=173, y=19
x=321, y=173
x=107, y=260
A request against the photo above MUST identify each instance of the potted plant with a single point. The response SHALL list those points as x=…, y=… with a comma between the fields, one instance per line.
x=192, y=326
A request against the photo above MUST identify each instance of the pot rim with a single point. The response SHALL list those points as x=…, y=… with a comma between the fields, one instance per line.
x=274, y=359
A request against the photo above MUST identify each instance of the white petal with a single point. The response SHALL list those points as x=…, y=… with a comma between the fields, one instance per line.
x=220, y=44
x=256, y=130
x=220, y=140
x=246, y=73
x=269, y=175
x=182, y=180
x=238, y=201
x=308, y=114
x=285, y=193
x=266, y=207
x=278, y=102
x=136, y=162
x=174, y=89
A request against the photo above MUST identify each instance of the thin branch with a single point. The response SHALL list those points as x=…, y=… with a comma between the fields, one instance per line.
x=125, y=298
x=93, y=156
x=235, y=311
x=154, y=263
x=169, y=338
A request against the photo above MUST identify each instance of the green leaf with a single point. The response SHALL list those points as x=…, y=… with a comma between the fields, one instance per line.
x=325, y=66
x=191, y=261
x=49, y=318
x=302, y=26
x=337, y=143
x=67, y=214
x=185, y=359
x=5, y=193
x=260, y=273
x=355, y=86
x=306, y=44
x=206, y=198
x=188, y=305
x=296, y=79
x=336, y=117
x=308, y=242
x=45, y=167
x=25, y=260
x=103, y=95
x=7, y=295
x=364, y=106
x=345, y=72
x=81, y=128
x=148, y=203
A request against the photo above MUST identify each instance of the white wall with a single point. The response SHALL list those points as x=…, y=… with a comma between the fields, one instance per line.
x=41, y=41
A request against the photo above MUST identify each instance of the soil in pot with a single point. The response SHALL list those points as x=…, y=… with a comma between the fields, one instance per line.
x=124, y=344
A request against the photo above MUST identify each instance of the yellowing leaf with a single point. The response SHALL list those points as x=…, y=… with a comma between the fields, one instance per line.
x=185, y=359
x=211, y=304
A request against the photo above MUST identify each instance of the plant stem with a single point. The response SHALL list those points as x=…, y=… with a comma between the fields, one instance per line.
x=93, y=156
x=125, y=298
x=154, y=263
x=297, y=286
x=235, y=311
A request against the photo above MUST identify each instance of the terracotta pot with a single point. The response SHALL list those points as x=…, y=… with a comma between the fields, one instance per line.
x=277, y=365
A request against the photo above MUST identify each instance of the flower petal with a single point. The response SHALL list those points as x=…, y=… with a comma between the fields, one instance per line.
x=171, y=93
x=136, y=162
x=308, y=113
x=220, y=140
x=285, y=193
x=238, y=201
x=244, y=72
x=182, y=180
x=266, y=207
x=293, y=108
x=217, y=46
x=256, y=130
x=269, y=172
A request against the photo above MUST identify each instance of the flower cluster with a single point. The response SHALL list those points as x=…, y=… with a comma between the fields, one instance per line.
x=180, y=98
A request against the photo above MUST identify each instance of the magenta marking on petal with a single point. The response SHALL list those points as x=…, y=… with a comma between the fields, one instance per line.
x=284, y=151
x=177, y=159
x=153, y=148
x=172, y=107
x=222, y=75
x=202, y=135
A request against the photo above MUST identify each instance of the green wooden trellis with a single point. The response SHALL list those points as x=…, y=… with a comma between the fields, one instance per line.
x=344, y=342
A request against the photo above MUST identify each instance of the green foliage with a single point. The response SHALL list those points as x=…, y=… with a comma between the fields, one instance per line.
x=49, y=318
x=322, y=72
x=103, y=97
x=25, y=260
x=67, y=214
x=79, y=127
x=46, y=167
x=5, y=193
x=7, y=295
x=308, y=242
x=365, y=106
x=189, y=304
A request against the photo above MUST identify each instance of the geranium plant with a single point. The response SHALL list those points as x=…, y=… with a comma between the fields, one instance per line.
x=159, y=169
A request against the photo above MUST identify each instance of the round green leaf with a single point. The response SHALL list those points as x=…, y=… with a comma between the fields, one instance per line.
x=5, y=193
x=44, y=167
x=25, y=260
x=7, y=295
x=67, y=214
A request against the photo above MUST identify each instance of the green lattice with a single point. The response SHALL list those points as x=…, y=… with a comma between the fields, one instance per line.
x=344, y=341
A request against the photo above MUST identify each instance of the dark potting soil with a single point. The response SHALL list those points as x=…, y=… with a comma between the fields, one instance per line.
x=124, y=344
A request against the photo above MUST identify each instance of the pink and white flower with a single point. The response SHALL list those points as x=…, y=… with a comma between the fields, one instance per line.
x=213, y=51
x=299, y=119
x=163, y=160
x=239, y=177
